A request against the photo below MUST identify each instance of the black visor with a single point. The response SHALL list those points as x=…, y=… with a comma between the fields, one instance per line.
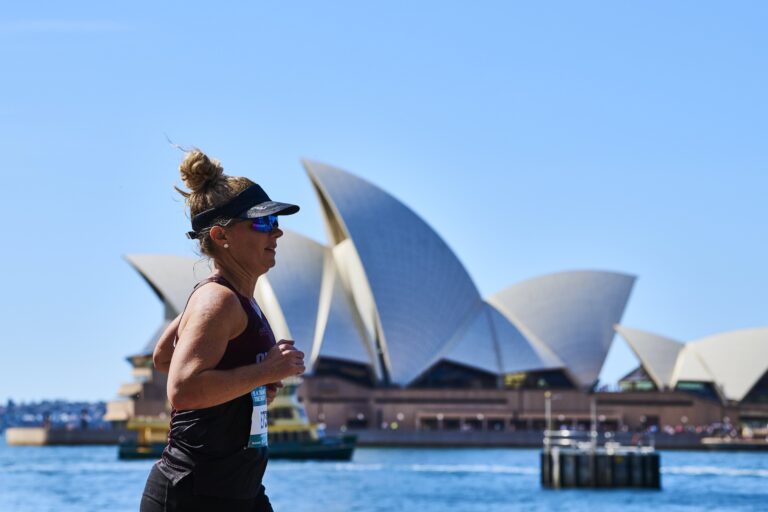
x=251, y=203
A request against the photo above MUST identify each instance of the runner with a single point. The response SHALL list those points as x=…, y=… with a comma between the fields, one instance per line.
x=221, y=356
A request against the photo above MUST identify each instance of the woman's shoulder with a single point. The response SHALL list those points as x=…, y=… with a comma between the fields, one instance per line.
x=214, y=300
x=216, y=310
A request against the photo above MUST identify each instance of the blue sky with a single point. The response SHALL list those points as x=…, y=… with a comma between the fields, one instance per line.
x=534, y=138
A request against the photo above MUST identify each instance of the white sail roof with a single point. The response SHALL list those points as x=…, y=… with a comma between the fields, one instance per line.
x=295, y=281
x=736, y=359
x=340, y=332
x=476, y=344
x=520, y=352
x=420, y=294
x=573, y=313
x=733, y=361
x=171, y=277
x=399, y=299
x=657, y=354
x=689, y=367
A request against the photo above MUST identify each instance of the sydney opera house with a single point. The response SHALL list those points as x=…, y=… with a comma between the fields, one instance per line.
x=398, y=336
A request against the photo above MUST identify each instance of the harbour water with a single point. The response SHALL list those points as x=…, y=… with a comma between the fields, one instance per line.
x=90, y=478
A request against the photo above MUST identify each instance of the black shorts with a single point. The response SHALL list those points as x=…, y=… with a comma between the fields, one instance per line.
x=160, y=495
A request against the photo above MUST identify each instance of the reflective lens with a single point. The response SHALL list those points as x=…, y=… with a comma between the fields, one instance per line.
x=265, y=224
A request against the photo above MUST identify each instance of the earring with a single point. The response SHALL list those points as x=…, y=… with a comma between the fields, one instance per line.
x=226, y=246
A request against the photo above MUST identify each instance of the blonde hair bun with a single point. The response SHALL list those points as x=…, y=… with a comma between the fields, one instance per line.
x=199, y=172
x=208, y=188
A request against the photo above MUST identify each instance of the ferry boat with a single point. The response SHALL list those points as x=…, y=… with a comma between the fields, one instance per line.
x=291, y=435
x=149, y=441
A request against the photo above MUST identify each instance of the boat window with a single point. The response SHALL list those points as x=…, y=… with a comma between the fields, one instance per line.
x=281, y=413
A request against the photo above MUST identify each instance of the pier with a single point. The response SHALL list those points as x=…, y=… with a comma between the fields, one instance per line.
x=609, y=467
x=580, y=459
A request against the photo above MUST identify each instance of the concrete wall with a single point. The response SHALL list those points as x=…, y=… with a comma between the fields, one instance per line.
x=339, y=403
x=32, y=436
x=38, y=436
x=519, y=439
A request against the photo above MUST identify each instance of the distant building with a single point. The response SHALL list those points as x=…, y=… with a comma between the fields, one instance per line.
x=397, y=334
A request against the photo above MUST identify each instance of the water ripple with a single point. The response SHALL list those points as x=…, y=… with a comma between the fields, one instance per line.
x=714, y=471
x=415, y=468
x=73, y=467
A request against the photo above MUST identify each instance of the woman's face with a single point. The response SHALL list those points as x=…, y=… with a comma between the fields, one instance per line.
x=253, y=249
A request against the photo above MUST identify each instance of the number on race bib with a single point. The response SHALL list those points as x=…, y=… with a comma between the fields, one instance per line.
x=259, y=419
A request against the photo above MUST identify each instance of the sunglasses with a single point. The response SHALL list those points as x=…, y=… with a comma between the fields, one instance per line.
x=264, y=224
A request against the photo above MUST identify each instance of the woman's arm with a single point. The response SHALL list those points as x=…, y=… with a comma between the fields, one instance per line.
x=161, y=356
x=214, y=316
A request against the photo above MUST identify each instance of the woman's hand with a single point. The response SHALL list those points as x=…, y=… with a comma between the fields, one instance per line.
x=284, y=360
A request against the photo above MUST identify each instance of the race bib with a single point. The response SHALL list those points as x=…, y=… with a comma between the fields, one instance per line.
x=258, y=438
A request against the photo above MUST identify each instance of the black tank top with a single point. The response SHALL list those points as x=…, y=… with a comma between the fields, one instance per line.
x=211, y=445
